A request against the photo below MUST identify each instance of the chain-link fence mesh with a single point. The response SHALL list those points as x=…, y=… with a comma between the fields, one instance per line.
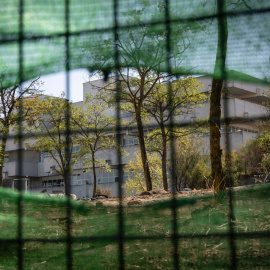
x=215, y=38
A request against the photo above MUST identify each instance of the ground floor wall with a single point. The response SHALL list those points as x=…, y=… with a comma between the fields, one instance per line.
x=84, y=190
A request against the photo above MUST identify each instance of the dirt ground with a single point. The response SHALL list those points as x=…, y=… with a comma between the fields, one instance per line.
x=155, y=195
x=150, y=197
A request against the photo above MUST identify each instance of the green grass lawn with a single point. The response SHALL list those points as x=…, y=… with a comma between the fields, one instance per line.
x=202, y=224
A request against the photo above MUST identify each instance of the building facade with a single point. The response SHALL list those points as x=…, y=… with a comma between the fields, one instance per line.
x=245, y=107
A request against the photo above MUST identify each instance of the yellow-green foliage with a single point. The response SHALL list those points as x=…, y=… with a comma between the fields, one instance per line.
x=136, y=182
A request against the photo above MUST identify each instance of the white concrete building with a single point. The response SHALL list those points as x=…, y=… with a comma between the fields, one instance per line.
x=38, y=169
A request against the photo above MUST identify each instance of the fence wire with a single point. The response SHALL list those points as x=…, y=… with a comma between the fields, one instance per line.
x=41, y=37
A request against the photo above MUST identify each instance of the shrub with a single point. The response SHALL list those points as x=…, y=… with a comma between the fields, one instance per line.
x=105, y=191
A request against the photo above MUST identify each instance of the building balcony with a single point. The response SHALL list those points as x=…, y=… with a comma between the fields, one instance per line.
x=246, y=110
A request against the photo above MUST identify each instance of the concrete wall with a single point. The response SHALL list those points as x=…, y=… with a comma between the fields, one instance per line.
x=237, y=140
x=30, y=161
x=79, y=190
x=28, y=168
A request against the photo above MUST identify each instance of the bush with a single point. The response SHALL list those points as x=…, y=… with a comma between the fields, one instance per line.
x=200, y=175
x=136, y=182
x=105, y=191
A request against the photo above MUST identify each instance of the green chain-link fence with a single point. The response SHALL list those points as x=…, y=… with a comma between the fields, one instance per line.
x=226, y=231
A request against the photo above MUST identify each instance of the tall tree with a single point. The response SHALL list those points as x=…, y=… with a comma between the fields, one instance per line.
x=264, y=139
x=9, y=105
x=92, y=124
x=216, y=91
x=215, y=100
x=46, y=125
x=142, y=51
x=186, y=96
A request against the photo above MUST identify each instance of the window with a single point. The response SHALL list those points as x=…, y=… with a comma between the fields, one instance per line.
x=104, y=177
x=42, y=156
x=130, y=141
x=53, y=183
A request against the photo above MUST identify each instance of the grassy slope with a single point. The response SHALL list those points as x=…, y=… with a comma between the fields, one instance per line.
x=202, y=225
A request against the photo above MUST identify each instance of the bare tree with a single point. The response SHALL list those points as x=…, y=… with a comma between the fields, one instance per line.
x=9, y=106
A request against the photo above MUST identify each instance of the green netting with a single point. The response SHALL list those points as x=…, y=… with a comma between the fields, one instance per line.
x=182, y=37
x=91, y=31
x=203, y=230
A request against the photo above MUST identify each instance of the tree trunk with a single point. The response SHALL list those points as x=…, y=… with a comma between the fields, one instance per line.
x=95, y=176
x=164, y=160
x=215, y=99
x=1, y=174
x=145, y=163
x=215, y=151
x=66, y=185
x=2, y=153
